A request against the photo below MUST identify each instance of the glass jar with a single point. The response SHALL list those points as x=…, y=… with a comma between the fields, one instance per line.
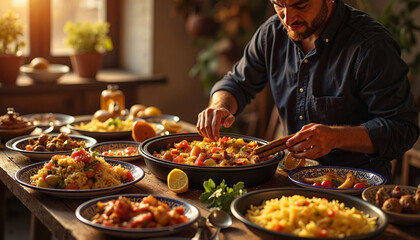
x=113, y=100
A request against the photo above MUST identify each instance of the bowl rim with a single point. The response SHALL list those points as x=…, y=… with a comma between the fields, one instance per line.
x=293, y=191
x=148, y=156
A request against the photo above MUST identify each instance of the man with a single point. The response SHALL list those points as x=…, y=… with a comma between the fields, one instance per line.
x=337, y=80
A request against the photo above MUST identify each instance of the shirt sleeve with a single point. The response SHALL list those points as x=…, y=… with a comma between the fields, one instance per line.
x=248, y=76
x=382, y=77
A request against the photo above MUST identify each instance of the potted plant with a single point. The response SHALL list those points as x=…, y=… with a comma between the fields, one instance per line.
x=11, y=29
x=89, y=42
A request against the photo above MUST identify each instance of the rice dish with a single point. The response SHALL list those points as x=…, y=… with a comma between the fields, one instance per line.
x=81, y=170
x=310, y=217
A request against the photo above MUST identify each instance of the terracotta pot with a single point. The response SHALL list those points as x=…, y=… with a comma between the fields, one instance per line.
x=9, y=68
x=86, y=65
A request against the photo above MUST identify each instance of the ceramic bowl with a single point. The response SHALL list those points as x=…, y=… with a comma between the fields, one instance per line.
x=23, y=176
x=369, y=194
x=54, y=72
x=373, y=179
x=251, y=175
x=87, y=210
x=241, y=205
x=103, y=147
x=18, y=144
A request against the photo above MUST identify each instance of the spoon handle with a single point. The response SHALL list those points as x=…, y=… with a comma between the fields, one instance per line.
x=201, y=233
x=215, y=235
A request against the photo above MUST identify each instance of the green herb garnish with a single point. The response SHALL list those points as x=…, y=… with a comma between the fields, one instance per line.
x=116, y=122
x=221, y=196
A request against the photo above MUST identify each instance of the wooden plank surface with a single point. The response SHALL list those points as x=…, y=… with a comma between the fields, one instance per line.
x=57, y=214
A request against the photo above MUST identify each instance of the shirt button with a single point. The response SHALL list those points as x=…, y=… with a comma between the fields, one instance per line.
x=301, y=90
x=300, y=117
x=305, y=61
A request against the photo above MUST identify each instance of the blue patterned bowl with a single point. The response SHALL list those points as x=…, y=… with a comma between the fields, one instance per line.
x=23, y=176
x=373, y=179
x=114, y=145
x=87, y=210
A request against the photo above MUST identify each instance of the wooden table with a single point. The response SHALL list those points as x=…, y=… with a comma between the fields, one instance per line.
x=57, y=214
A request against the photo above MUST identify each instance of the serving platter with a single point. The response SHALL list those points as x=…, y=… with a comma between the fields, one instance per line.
x=241, y=205
x=43, y=120
x=18, y=145
x=87, y=210
x=369, y=194
x=373, y=179
x=23, y=176
x=115, y=145
x=110, y=135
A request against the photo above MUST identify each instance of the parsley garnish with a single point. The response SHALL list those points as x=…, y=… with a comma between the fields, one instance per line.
x=220, y=197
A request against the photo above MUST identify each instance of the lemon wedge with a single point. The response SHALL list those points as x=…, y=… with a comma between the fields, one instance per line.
x=177, y=181
x=291, y=163
x=171, y=125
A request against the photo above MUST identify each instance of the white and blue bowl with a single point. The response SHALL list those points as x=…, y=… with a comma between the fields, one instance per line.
x=373, y=179
x=87, y=210
x=23, y=176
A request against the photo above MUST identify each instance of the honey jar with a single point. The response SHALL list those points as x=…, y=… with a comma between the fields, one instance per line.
x=113, y=100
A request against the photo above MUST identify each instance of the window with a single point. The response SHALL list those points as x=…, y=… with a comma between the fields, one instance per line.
x=45, y=20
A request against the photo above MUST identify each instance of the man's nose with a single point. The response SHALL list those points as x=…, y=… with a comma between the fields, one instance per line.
x=288, y=15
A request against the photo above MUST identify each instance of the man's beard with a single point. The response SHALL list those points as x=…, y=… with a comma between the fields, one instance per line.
x=315, y=24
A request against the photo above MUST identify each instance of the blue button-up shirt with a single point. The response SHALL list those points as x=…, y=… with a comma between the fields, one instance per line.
x=354, y=76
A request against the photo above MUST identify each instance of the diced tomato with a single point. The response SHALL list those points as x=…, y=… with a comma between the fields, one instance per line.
x=71, y=186
x=317, y=184
x=278, y=228
x=81, y=155
x=198, y=162
x=216, y=150
x=183, y=145
x=326, y=183
x=301, y=203
x=180, y=210
x=129, y=176
x=97, y=165
x=331, y=213
x=322, y=233
x=359, y=185
x=141, y=220
x=90, y=173
x=128, y=151
x=29, y=148
x=174, y=151
x=224, y=139
x=49, y=165
x=179, y=159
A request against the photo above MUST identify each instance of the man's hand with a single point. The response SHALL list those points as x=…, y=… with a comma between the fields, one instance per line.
x=220, y=112
x=316, y=140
